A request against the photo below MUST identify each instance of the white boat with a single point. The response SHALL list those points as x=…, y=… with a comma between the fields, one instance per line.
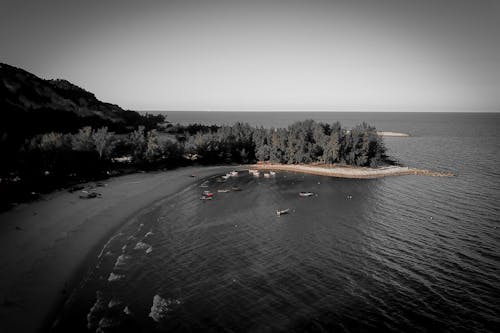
x=223, y=190
x=306, y=194
x=226, y=176
x=206, y=198
x=233, y=173
x=256, y=173
x=252, y=170
x=282, y=212
x=272, y=173
x=267, y=175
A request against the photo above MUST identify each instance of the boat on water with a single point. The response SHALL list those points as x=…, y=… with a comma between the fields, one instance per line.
x=226, y=176
x=256, y=174
x=306, y=194
x=252, y=170
x=282, y=211
x=233, y=173
x=203, y=197
x=208, y=194
x=223, y=190
x=267, y=175
x=272, y=173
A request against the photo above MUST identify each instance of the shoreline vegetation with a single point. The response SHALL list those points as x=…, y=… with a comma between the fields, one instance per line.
x=47, y=161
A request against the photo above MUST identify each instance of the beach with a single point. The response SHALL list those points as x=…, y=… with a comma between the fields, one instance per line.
x=45, y=244
x=349, y=171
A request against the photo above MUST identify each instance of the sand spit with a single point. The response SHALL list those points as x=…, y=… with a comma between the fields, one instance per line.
x=44, y=245
x=393, y=134
x=350, y=172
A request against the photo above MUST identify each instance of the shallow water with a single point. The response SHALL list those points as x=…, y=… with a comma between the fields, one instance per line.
x=406, y=253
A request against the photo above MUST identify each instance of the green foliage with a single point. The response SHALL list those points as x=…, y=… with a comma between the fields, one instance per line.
x=52, y=157
x=83, y=141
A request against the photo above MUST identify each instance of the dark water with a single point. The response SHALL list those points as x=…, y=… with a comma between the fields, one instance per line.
x=404, y=253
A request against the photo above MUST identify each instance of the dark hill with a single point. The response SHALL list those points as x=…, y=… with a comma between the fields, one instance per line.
x=31, y=105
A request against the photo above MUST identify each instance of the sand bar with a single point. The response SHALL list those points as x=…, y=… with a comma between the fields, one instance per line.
x=350, y=172
x=394, y=134
x=44, y=244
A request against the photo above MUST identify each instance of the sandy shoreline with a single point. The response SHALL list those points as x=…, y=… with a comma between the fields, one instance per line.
x=350, y=172
x=393, y=134
x=45, y=243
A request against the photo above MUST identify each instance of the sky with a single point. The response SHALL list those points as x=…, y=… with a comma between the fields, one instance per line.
x=352, y=55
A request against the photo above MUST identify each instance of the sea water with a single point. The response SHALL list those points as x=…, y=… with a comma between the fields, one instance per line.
x=407, y=253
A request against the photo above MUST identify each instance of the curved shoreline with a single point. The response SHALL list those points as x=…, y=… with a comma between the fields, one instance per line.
x=350, y=172
x=45, y=244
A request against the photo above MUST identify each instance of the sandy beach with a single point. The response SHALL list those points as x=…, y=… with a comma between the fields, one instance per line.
x=350, y=172
x=45, y=243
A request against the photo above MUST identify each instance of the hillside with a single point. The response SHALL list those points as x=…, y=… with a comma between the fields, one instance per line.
x=31, y=105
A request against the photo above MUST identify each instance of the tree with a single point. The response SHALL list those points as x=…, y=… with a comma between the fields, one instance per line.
x=102, y=139
x=138, y=143
x=153, y=151
x=82, y=141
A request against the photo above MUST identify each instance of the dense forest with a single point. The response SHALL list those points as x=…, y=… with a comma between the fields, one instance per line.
x=55, y=159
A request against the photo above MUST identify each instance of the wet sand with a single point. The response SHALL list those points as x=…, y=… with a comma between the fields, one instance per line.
x=44, y=244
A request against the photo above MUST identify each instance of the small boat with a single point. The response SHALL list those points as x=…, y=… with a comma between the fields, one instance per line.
x=252, y=170
x=208, y=194
x=236, y=189
x=267, y=175
x=233, y=173
x=223, y=190
x=226, y=176
x=306, y=194
x=256, y=173
x=272, y=173
x=206, y=198
x=282, y=212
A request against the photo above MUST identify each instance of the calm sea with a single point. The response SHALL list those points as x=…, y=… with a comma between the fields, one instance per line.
x=406, y=253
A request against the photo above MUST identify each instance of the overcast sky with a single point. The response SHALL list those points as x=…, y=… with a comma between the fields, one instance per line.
x=395, y=55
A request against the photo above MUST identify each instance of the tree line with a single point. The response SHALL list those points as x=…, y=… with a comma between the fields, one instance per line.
x=55, y=159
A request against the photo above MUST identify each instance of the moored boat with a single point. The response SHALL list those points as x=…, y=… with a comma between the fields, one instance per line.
x=282, y=211
x=223, y=190
x=306, y=194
